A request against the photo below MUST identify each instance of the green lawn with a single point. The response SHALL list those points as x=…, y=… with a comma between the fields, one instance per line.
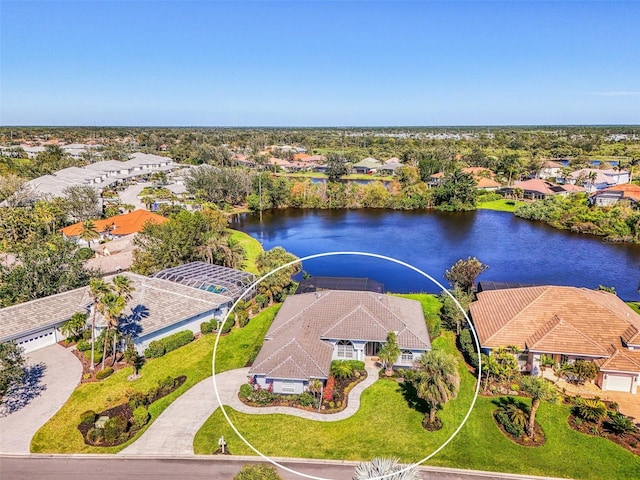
x=251, y=247
x=635, y=306
x=504, y=205
x=60, y=433
x=430, y=304
x=385, y=425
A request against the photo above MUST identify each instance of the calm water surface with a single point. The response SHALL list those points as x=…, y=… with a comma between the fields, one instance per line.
x=516, y=250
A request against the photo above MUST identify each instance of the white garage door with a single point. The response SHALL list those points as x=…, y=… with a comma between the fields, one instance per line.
x=37, y=340
x=619, y=382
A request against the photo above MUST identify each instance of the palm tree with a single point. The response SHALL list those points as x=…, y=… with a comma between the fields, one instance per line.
x=540, y=390
x=122, y=287
x=387, y=468
x=89, y=232
x=75, y=325
x=592, y=179
x=438, y=380
x=111, y=306
x=389, y=352
x=97, y=288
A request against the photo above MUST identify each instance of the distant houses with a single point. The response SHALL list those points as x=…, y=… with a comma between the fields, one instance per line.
x=627, y=193
x=537, y=189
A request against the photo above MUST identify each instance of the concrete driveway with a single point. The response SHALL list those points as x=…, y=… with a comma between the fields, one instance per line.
x=52, y=375
x=130, y=195
x=628, y=403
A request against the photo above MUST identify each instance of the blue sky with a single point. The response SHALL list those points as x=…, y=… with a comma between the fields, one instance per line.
x=294, y=63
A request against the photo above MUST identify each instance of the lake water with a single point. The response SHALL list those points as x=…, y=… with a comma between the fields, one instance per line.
x=516, y=250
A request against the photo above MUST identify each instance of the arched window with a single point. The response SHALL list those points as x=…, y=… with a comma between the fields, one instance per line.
x=344, y=349
x=407, y=356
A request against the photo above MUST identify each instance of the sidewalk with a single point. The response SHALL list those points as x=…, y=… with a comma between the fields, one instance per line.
x=173, y=432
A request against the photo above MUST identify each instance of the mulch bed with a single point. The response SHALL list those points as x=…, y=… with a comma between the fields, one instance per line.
x=89, y=376
x=538, y=435
x=630, y=441
x=124, y=410
x=339, y=396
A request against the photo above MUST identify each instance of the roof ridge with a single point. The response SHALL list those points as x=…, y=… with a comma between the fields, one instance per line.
x=615, y=353
x=557, y=321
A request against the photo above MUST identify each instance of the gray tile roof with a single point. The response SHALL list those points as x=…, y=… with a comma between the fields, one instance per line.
x=155, y=304
x=294, y=345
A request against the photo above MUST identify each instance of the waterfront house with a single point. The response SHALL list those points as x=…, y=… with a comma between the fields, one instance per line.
x=312, y=329
x=628, y=193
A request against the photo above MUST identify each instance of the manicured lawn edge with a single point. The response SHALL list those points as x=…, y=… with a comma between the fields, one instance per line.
x=504, y=205
x=60, y=433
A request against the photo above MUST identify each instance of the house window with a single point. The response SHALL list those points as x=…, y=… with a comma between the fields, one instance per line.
x=344, y=349
x=407, y=356
x=288, y=387
x=564, y=359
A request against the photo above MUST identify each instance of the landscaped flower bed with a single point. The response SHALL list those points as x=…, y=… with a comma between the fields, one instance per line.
x=118, y=424
x=334, y=394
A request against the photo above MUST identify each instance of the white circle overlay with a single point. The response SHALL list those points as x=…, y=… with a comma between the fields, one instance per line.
x=363, y=254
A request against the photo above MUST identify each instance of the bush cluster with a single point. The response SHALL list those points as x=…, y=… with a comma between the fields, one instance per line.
x=208, y=327
x=141, y=399
x=84, y=346
x=114, y=428
x=261, y=396
x=327, y=393
x=140, y=417
x=245, y=391
x=306, y=399
x=157, y=348
x=503, y=418
x=102, y=374
x=467, y=347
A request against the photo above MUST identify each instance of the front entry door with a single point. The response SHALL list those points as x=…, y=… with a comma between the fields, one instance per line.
x=372, y=348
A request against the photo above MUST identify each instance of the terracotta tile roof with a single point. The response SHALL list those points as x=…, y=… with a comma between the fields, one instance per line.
x=555, y=319
x=621, y=361
x=627, y=190
x=124, y=224
x=296, y=337
x=486, y=183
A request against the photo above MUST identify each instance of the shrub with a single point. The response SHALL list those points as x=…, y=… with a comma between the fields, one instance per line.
x=591, y=410
x=245, y=391
x=327, y=393
x=137, y=399
x=257, y=472
x=512, y=418
x=177, y=340
x=165, y=386
x=355, y=364
x=206, y=327
x=84, y=346
x=467, y=347
x=88, y=418
x=102, y=374
x=227, y=326
x=95, y=435
x=262, y=397
x=114, y=427
x=620, y=424
x=306, y=399
x=514, y=387
x=140, y=416
x=341, y=370
x=155, y=349
x=262, y=300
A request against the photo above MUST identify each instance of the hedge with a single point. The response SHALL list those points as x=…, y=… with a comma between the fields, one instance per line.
x=157, y=348
x=102, y=374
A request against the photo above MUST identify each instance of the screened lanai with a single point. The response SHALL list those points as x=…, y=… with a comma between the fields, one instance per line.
x=211, y=278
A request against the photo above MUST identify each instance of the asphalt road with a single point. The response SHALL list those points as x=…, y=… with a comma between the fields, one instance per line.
x=196, y=468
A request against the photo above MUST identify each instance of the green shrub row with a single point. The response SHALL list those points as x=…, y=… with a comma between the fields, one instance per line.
x=158, y=348
x=141, y=399
x=468, y=348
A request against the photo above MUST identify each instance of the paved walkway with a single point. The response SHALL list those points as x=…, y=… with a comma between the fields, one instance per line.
x=172, y=433
x=52, y=375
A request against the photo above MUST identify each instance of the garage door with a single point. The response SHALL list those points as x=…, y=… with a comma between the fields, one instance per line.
x=37, y=340
x=619, y=382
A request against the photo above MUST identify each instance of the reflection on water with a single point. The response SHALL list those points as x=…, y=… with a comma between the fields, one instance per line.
x=516, y=250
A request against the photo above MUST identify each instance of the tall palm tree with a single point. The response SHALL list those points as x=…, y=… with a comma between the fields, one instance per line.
x=97, y=288
x=388, y=468
x=540, y=390
x=121, y=286
x=438, y=380
x=89, y=232
x=111, y=306
x=75, y=325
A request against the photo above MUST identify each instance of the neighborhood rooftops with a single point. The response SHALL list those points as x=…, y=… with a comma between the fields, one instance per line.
x=295, y=345
x=118, y=225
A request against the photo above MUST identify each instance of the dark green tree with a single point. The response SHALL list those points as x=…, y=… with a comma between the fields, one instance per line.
x=11, y=367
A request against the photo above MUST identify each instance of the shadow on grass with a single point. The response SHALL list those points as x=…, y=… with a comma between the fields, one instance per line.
x=410, y=395
x=21, y=395
x=502, y=402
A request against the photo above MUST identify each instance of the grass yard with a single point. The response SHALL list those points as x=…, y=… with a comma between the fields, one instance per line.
x=504, y=205
x=635, y=306
x=251, y=247
x=60, y=433
x=385, y=425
